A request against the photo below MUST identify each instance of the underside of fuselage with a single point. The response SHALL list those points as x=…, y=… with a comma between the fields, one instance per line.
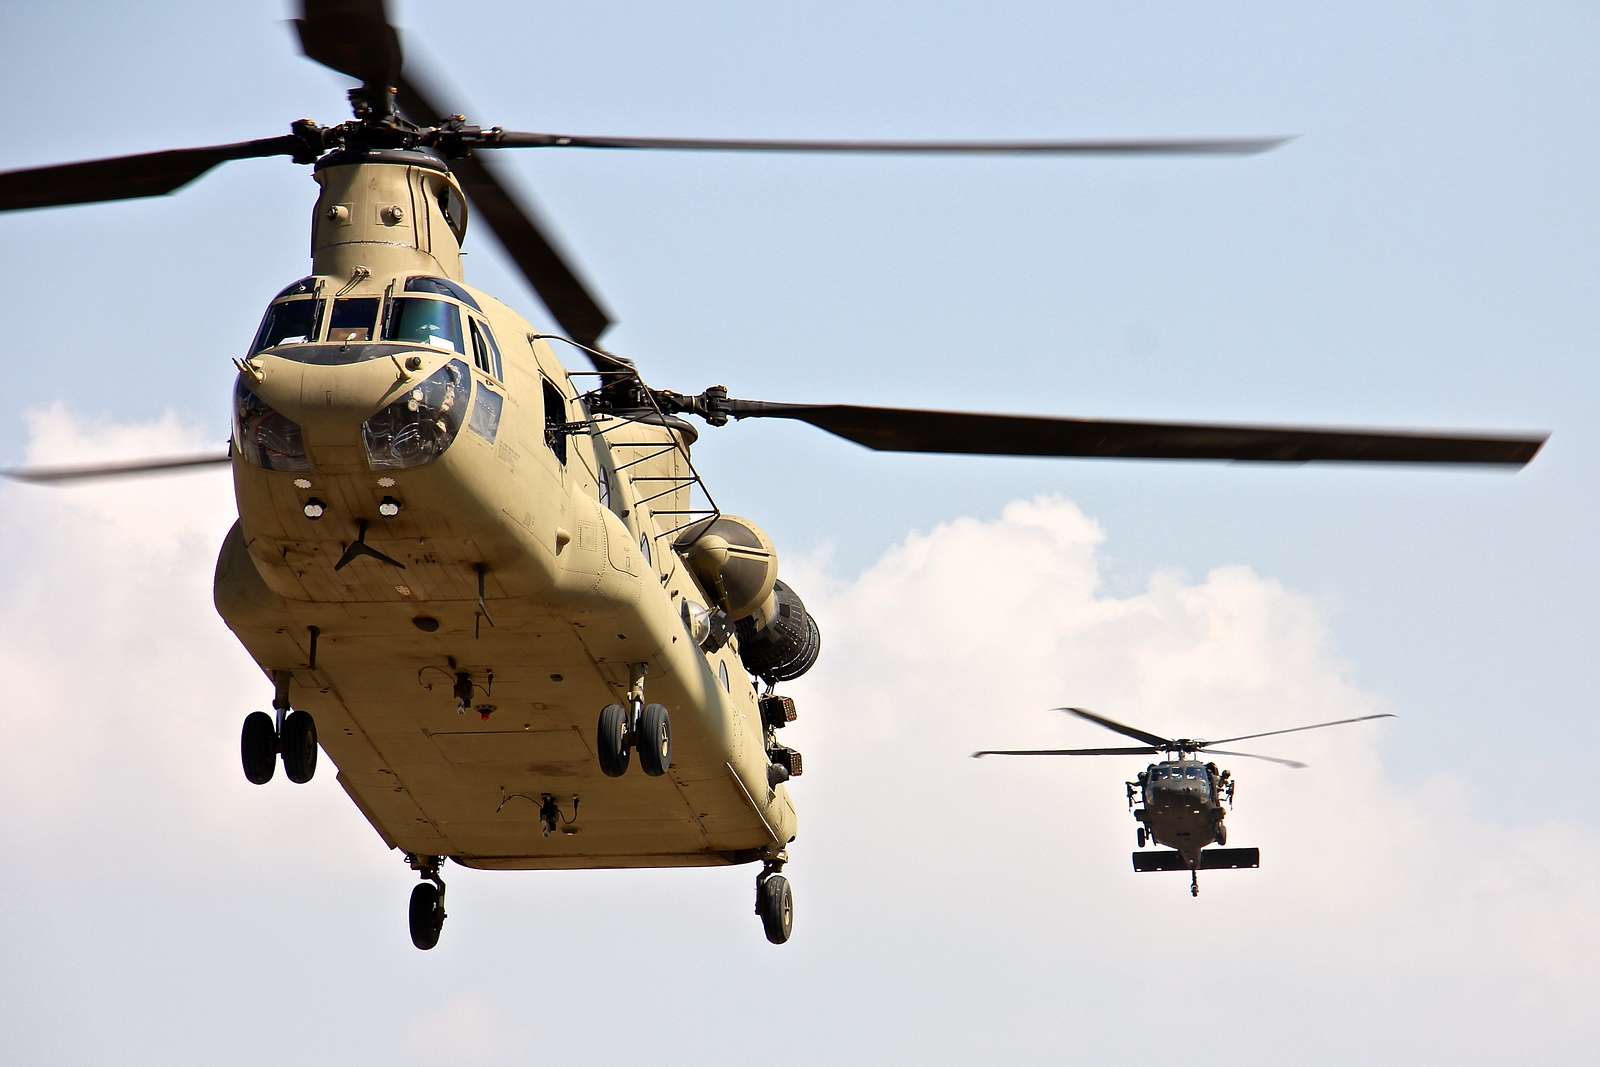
x=435, y=780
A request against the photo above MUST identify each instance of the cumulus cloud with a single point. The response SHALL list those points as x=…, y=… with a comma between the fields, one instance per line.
x=947, y=908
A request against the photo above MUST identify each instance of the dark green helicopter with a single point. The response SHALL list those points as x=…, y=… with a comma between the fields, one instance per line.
x=1184, y=799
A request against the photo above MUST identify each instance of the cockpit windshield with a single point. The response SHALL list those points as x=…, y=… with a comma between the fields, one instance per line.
x=431, y=322
x=289, y=322
x=353, y=319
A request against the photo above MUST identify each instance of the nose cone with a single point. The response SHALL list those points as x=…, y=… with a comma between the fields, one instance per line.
x=335, y=398
x=330, y=391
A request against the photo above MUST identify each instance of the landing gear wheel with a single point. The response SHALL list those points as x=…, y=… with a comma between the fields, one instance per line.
x=1194, y=884
x=1222, y=834
x=258, y=747
x=611, y=740
x=299, y=744
x=775, y=904
x=1141, y=837
x=427, y=915
x=655, y=740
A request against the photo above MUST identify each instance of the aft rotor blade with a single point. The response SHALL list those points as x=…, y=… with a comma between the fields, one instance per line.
x=353, y=37
x=1142, y=750
x=1293, y=729
x=1296, y=764
x=526, y=240
x=169, y=465
x=1159, y=743
x=967, y=433
x=1143, y=147
x=128, y=177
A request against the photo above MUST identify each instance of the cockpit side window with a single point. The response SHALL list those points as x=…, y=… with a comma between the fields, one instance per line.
x=289, y=322
x=430, y=322
x=555, y=420
x=485, y=353
x=353, y=319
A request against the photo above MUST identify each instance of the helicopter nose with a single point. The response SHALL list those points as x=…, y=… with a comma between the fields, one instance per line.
x=333, y=398
x=328, y=404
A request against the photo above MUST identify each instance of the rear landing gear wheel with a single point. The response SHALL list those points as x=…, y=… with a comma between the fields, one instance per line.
x=427, y=915
x=611, y=740
x=775, y=905
x=299, y=745
x=258, y=747
x=655, y=740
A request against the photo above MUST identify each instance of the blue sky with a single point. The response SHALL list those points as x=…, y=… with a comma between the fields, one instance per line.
x=1423, y=254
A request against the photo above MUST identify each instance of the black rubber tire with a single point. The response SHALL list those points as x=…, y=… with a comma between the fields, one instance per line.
x=299, y=745
x=1141, y=837
x=655, y=740
x=427, y=915
x=1222, y=834
x=258, y=747
x=611, y=740
x=777, y=908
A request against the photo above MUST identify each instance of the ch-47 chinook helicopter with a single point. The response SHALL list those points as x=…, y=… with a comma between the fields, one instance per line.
x=454, y=555
x=1184, y=799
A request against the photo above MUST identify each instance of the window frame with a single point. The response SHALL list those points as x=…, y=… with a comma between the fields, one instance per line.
x=483, y=337
x=556, y=443
x=395, y=306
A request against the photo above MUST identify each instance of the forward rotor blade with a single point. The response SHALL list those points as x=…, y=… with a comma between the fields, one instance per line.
x=1158, y=743
x=1166, y=147
x=1293, y=729
x=967, y=433
x=1142, y=750
x=128, y=177
x=1296, y=764
x=54, y=475
x=353, y=37
x=525, y=239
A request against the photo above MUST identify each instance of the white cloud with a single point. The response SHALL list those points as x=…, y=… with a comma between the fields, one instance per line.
x=947, y=908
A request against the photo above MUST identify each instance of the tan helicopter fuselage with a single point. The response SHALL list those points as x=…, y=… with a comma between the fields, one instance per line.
x=578, y=594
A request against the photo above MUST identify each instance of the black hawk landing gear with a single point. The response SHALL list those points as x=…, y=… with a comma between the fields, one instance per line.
x=1194, y=882
x=774, y=902
x=427, y=902
x=635, y=725
x=292, y=734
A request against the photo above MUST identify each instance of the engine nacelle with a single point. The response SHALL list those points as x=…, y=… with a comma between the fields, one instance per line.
x=781, y=641
x=735, y=562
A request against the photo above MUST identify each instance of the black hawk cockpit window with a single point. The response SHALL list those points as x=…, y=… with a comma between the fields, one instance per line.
x=441, y=287
x=289, y=322
x=429, y=322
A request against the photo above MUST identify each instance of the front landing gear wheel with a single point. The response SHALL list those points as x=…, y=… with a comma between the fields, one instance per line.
x=1222, y=834
x=258, y=747
x=299, y=744
x=427, y=915
x=611, y=740
x=1141, y=837
x=775, y=905
x=655, y=740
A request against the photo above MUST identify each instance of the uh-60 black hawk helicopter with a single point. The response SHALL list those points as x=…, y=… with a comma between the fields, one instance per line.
x=437, y=517
x=1184, y=799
